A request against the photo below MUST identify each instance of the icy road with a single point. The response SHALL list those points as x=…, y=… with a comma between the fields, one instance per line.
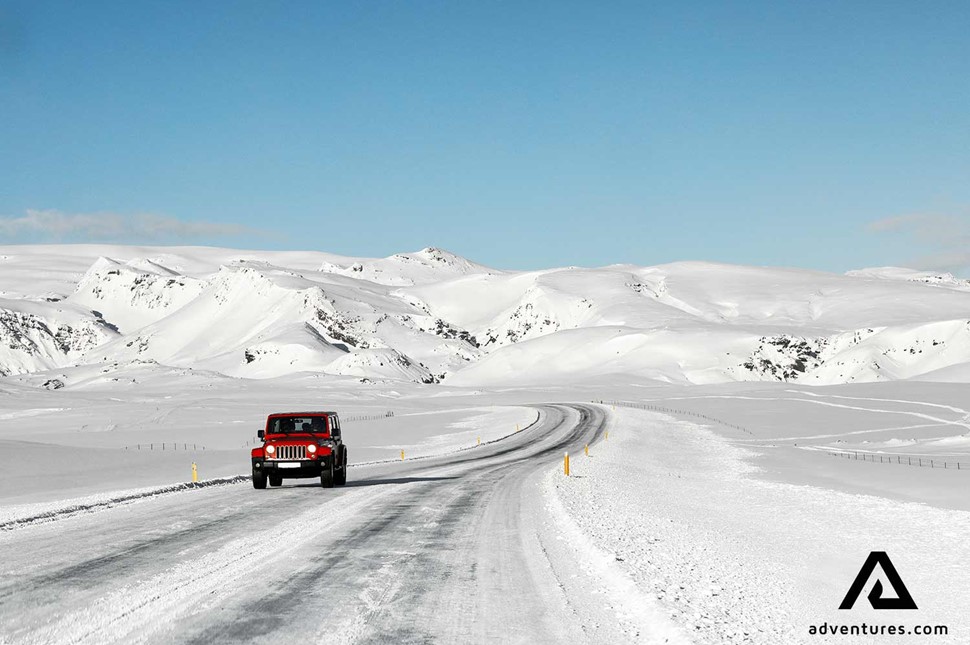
x=459, y=548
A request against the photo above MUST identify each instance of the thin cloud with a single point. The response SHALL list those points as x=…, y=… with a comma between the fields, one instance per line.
x=57, y=225
x=956, y=262
x=929, y=226
x=944, y=240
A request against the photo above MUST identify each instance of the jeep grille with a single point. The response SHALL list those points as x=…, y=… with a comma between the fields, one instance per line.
x=290, y=452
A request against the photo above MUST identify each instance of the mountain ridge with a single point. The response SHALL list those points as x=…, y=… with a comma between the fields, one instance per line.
x=432, y=316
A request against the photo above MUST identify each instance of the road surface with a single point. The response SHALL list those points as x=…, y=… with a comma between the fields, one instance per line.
x=458, y=548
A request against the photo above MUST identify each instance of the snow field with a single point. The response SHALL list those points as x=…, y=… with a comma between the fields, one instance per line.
x=89, y=444
x=795, y=430
x=463, y=429
x=735, y=559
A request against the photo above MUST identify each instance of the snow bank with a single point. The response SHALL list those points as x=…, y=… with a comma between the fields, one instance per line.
x=735, y=559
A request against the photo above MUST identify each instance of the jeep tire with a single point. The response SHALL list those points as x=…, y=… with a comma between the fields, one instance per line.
x=341, y=474
x=259, y=480
x=326, y=476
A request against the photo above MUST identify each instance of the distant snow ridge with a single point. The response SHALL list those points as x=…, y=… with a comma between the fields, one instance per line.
x=943, y=279
x=134, y=294
x=427, y=266
x=432, y=316
x=255, y=319
x=381, y=363
x=41, y=336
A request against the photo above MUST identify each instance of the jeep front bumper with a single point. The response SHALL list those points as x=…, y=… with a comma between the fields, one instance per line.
x=292, y=467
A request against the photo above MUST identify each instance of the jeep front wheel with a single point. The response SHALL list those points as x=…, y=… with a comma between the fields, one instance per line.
x=341, y=475
x=259, y=481
x=326, y=476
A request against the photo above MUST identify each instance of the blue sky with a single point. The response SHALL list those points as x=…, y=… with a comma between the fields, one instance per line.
x=829, y=135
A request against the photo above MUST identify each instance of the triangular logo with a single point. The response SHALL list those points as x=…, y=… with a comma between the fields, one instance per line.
x=902, y=600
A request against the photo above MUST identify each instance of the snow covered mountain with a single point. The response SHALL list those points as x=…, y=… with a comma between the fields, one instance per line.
x=432, y=316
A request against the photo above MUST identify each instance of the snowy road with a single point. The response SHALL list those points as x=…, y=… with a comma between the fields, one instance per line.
x=458, y=548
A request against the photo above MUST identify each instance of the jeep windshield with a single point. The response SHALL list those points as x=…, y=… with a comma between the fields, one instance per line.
x=298, y=425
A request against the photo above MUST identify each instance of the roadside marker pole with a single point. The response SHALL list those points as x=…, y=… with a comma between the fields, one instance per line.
x=565, y=464
x=586, y=450
x=195, y=473
x=516, y=427
x=402, y=455
x=479, y=442
x=607, y=435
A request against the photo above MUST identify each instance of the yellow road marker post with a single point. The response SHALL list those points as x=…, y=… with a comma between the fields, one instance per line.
x=195, y=473
x=565, y=464
x=586, y=450
x=402, y=455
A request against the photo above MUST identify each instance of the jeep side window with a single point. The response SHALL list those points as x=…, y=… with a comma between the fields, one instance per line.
x=335, y=422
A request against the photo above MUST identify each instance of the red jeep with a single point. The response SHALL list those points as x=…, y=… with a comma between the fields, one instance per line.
x=300, y=445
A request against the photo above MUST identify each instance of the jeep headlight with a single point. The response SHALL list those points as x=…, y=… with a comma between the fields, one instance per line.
x=312, y=448
x=270, y=449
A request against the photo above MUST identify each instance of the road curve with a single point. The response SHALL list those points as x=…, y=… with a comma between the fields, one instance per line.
x=450, y=549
